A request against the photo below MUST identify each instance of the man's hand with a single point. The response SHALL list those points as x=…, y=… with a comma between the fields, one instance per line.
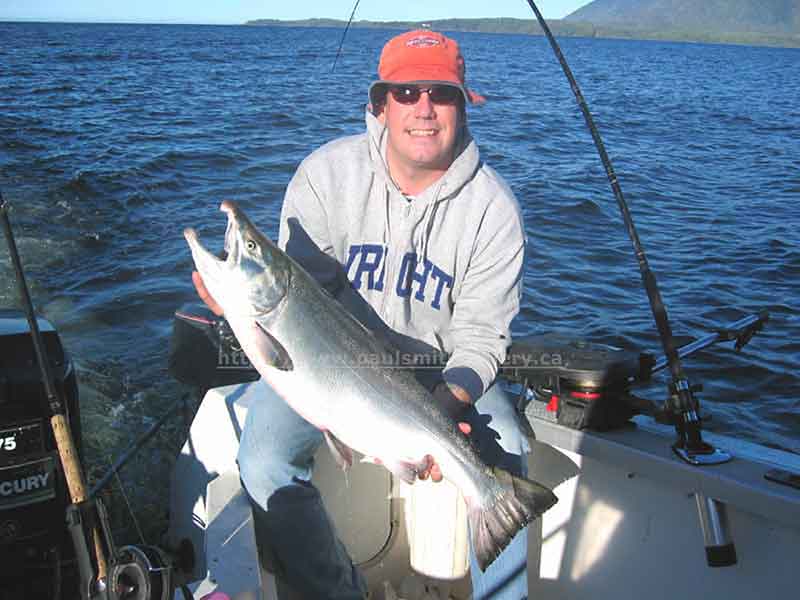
x=204, y=295
x=454, y=399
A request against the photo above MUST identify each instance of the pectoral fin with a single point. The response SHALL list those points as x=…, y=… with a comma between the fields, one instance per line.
x=270, y=350
x=341, y=452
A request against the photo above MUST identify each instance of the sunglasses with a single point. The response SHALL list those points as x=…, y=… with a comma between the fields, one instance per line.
x=439, y=94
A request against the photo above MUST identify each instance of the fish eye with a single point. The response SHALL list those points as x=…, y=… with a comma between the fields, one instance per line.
x=250, y=245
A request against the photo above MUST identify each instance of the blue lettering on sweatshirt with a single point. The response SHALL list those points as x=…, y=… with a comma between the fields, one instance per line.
x=443, y=279
x=366, y=269
x=411, y=273
x=370, y=257
x=403, y=287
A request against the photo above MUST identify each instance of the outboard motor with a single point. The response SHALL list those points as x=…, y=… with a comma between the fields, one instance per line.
x=48, y=522
x=36, y=552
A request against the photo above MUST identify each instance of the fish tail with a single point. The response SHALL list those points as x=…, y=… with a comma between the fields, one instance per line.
x=493, y=524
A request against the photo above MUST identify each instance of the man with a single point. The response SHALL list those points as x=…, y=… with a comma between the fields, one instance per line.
x=424, y=244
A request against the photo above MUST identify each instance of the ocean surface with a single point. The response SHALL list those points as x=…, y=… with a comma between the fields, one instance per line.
x=113, y=138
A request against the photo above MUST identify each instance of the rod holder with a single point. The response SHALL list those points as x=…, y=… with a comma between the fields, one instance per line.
x=706, y=456
x=690, y=446
x=720, y=549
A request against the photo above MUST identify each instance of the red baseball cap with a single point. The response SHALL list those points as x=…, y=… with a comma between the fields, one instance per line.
x=423, y=56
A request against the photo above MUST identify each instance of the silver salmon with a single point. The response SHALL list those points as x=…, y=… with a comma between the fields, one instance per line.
x=339, y=376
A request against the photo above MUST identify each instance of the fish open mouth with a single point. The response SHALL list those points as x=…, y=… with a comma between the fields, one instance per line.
x=230, y=245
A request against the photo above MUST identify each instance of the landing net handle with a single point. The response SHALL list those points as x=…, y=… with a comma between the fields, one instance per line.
x=58, y=421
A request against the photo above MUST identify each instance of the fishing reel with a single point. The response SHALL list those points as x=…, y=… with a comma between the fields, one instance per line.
x=141, y=573
x=134, y=572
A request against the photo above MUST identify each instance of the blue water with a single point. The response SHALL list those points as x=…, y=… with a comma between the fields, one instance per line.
x=113, y=138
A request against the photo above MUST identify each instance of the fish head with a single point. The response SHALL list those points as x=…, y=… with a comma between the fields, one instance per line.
x=254, y=277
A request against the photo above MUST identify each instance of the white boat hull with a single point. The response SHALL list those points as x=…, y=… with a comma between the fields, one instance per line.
x=626, y=527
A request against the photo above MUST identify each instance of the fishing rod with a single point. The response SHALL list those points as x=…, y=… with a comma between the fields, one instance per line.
x=681, y=402
x=344, y=34
x=137, y=444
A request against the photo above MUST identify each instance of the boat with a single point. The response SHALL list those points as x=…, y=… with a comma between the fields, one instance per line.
x=633, y=519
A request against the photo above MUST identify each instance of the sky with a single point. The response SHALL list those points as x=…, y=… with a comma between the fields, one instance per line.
x=239, y=11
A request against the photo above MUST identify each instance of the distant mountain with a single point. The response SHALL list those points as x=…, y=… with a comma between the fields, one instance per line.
x=491, y=25
x=777, y=17
x=754, y=22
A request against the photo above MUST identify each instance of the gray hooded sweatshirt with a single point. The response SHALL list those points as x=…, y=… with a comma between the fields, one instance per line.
x=439, y=273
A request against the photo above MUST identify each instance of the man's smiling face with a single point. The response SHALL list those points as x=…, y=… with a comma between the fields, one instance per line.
x=421, y=136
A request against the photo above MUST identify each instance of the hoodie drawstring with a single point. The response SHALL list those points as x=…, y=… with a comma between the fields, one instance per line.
x=387, y=234
x=430, y=211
